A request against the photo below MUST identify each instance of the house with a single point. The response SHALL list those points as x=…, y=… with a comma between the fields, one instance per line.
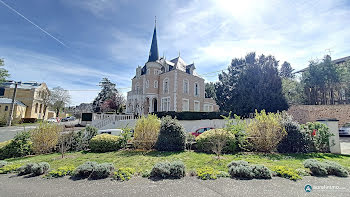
x=30, y=94
x=167, y=85
x=19, y=109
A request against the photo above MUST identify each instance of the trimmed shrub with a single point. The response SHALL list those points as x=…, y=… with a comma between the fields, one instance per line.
x=319, y=135
x=266, y=131
x=146, y=132
x=9, y=168
x=207, y=173
x=62, y=171
x=288, y=173
x=45, y=137
x=103, y=170
x=18, y=147
x=26, y=169
x=261, y=172
x=172, y=136
x=105, y=143
x=3, y=163
x=81, y=139
x=317, y=168
x=296, y=141
x=241, y=171
x=40, y=168
x=85, y=169
x=217, y=141
x=336, y=169
x=163, y=170
x=124, y=174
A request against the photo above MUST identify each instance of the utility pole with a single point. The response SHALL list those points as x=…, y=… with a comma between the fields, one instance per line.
x=12, y=105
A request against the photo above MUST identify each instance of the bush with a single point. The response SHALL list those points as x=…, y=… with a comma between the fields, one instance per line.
x=40, y=168
x=336, y=169
x=26, y=169
x=124, y=174
x=172, y=136
x=146, y=174
x=174, y=169
x=285, y=172
x=85, y=169
x=2, y=144
x=103, y=170
x=62, y=171
x=81, y=139
x=45, y=137
x=217, y=141
x=207, y=173
x=241, y=169
x=94, y=170
x=9, y=168
x=266, y=131
x=223, y=174
x=319, y=134
x=105, y=143
x=146, y=132
x=18, y=147
x=295, y=141
x=237, y=127
x=317, y=168
x=29, y=120
x=3, y=163
x=190, y=140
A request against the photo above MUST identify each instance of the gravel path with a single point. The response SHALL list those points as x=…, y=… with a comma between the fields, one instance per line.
x=12, y=185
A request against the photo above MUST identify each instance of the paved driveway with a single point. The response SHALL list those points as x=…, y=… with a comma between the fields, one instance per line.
x=11, y=185
x=345, y=145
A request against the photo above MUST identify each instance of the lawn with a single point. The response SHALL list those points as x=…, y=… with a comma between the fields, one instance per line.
x=142, y=161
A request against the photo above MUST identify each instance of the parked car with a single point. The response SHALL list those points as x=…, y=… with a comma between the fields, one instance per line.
x=345, y=130
x=201, y=130
x=69, y=118
x=111, y=131
x=52, y=120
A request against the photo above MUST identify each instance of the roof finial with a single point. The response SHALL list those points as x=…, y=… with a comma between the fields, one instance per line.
x=179, y=53
x=155, y=20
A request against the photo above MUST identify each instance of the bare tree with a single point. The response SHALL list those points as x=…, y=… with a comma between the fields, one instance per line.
x=46, y=101
x=59, y=99
x=65, y=142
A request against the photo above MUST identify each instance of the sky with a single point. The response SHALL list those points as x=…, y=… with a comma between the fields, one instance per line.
x=74, y=44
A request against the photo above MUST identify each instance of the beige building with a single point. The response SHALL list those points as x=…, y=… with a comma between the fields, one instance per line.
x=31, y=94
x=19, y=109
x=162, y=85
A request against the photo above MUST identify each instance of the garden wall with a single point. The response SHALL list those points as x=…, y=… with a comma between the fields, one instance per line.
x=311, y=113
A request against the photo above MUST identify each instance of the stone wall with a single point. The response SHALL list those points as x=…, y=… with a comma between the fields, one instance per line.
x=311, y=113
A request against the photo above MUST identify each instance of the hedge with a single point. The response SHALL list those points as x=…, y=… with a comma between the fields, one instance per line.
x=192, y=115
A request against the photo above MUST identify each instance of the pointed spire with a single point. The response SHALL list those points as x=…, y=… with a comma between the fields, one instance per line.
x=153, y=53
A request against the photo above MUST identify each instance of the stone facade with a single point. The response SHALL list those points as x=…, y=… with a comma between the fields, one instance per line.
x=162, y=85
x=19, y=109
x=311, y=113
x=31, y=95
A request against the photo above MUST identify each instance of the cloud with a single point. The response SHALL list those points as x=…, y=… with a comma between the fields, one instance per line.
x=99, y=8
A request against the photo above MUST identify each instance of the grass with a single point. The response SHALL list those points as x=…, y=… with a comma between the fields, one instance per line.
x=142, y=161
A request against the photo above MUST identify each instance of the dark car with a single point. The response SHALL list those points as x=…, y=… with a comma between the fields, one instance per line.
x=201, y=130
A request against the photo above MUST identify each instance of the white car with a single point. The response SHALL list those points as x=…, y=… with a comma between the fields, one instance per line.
x=52, y=120
x=117, y=132
x=345, y=130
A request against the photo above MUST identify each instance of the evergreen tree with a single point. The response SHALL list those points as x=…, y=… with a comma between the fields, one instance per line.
x=109, y=98
x=286, y=71
x=3, y=72
x=251, y=83
x=210, y=90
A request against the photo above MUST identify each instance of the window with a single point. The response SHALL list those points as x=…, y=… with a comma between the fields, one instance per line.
x=137, y=88
x=147, y=83
x=185, y=105
x=41, y=107
x=208, y=107
x=196, y=89
x=6, y=108
x=156, y=72
x=166, y=104
x=166, y=86
x=148, y=72
x=36, y=108
x=185, y=86
x=196, y=106
x=155, y=84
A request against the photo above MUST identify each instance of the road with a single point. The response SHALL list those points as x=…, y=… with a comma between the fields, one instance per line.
x=345, y=145
x=12, y=186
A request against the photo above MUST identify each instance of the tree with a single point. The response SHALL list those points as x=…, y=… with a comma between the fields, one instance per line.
x=3, y=72
x=210, y=90
x=109, y=98
x=59, y=99
x=293, y=91
x=46, y=99
x=251, y=83
x=286, y=71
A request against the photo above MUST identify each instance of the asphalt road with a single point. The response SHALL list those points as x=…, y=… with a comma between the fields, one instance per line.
x=12, y=185
x=7, y=133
